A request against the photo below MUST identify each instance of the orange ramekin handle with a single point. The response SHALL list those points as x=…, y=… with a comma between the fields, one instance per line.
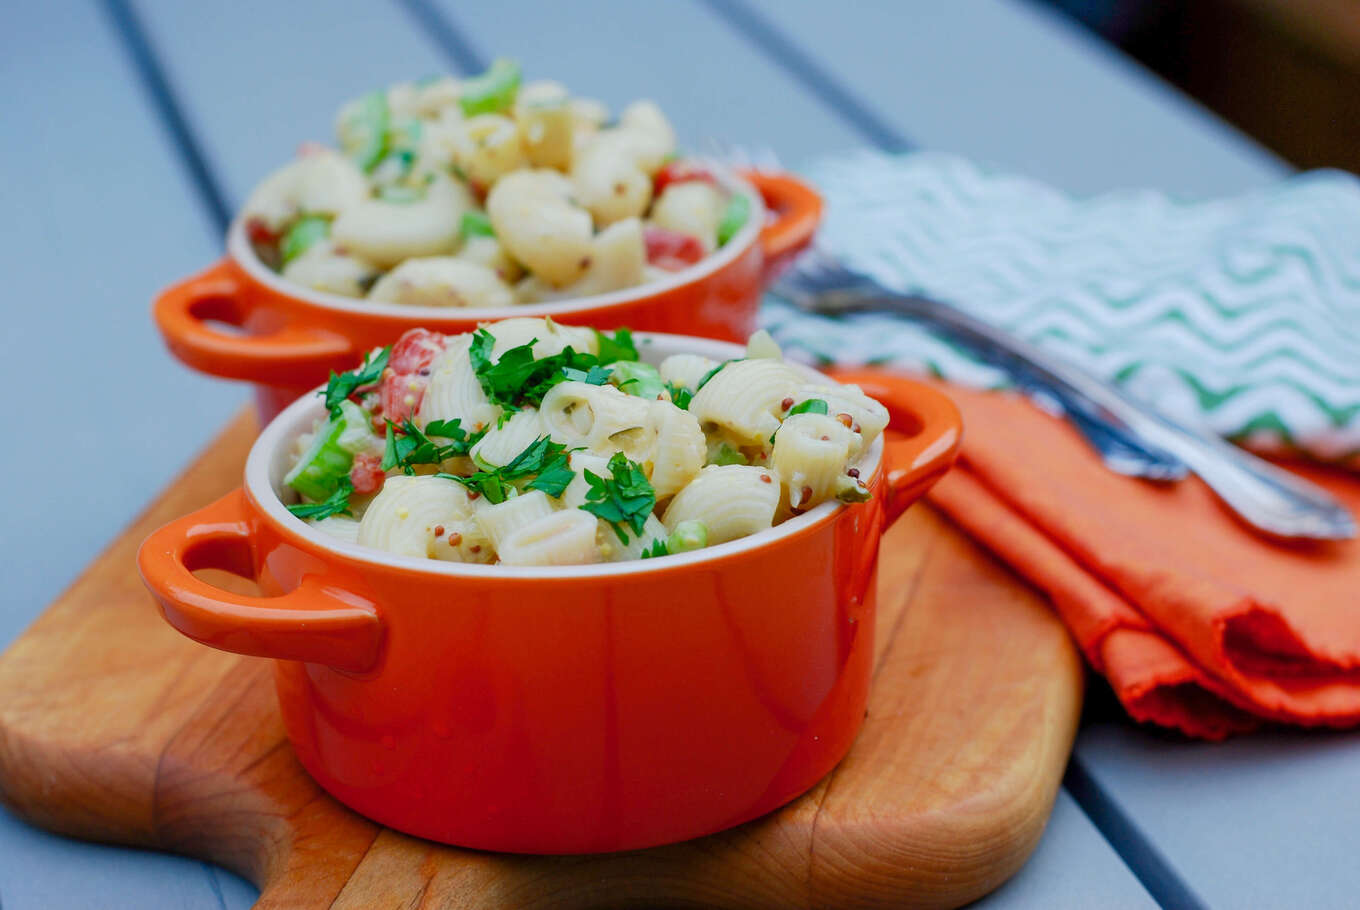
x=291, y=355
x=795, y=209
x=933, y=429
x=311, y=623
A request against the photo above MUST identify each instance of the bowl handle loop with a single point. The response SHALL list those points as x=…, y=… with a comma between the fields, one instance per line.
x=317, y=622
x=795, y=211
x=929, y=431
x=270, y=350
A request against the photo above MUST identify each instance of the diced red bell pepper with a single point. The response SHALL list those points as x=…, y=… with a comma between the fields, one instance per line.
x=366, y=473
x=679, y=171
x=671, y=250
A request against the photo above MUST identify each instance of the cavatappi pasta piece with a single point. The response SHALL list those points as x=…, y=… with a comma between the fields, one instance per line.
x=650, y=132
x=678, y=452
x=323, y=182
x=745, y=397
x=686, y=369
x=346, y=529
x=535, y=219
x=454, y=391
x=463, y=541
x=403, y=516
x=617, y=260
x=488, y=252
x=546, y=124
x=385, y=233
x=499, y=520
x=810, y=453
x=849, y=404
x=502, y=443
x=613, y=551
x=488, y=147
x=549, y=337
x=691, y=207
x=409, y=100
x=597, y=417
x=731, y=500
x=322, y=268
x=443, y=281
x=564, y=538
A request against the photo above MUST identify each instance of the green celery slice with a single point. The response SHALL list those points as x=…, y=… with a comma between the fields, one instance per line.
x=319, y=471
x=636, y=378
x=688, y=535
x=734, y=216
x=366, y=130
x=476, y=224
x=492, y=91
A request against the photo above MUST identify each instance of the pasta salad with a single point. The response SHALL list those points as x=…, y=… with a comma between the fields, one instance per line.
x=531, y=443
x=484, y=192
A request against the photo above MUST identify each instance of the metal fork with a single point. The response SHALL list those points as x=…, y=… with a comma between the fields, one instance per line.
x=1132, y=437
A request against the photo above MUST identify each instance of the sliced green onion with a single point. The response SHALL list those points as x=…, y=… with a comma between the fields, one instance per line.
x=688, y=535
x=319, y=471
x=364, y=132
x=733, y=218
x=306, y=231
x=475, y=224
x=637, y=378
x=492, y=91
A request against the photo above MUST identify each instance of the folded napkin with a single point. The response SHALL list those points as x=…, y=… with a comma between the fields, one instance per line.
x=1241, y=317
x=1197, y=623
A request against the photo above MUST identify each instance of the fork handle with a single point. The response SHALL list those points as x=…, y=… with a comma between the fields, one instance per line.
x=1267, y=497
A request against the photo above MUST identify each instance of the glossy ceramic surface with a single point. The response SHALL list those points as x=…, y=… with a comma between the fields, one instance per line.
x=240, y=320
x=559, y=710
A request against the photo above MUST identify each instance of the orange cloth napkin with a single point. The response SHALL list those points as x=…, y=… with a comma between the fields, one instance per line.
x=1198, y=623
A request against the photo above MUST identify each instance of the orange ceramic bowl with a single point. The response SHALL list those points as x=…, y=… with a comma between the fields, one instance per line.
x=285, y=338
x=558, y=710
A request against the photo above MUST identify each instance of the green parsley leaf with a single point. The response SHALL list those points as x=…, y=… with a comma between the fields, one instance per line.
x=335, y=504
x=680, y=395
x=542, y=457
x=714, y=372
x=625, y=498
x=596, y=375
x=654, y=549
x=413, y=447
x=343, y=385
x=503, y=379
x=811, y=406
x=306, y=231
x=554, y=477
x=728, y=455
x=619, y=347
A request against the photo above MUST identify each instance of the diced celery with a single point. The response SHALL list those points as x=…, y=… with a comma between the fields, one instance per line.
x=364, y=132
x=476, y=224
x=637, y=378
x=318, y=472
x=356, y=436
x=306, y=231
x=688, y=535
x=492, y=91
x=734, y=216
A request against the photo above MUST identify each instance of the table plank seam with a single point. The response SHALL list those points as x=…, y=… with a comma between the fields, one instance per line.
x=801, y=65
x=452, y=40
x=1144, y=860
x=167, y=106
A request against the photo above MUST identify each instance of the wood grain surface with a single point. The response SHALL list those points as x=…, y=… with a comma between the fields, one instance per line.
x=115, y=728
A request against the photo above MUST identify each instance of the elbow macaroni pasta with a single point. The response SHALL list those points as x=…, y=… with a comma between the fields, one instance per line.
x=528, y=181
x=580, y=471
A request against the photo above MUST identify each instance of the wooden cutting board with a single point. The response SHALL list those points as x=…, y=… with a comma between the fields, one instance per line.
x=113, y=727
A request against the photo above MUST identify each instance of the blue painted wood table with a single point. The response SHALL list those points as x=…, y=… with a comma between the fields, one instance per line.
x=135, y=126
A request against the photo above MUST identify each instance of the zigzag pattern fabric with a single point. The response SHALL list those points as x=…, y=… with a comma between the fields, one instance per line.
x=1240, y=316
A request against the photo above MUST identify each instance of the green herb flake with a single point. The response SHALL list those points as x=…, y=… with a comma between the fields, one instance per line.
x=734, y=217
x=596, y=375
x=681, y=396
x=618, y=347
x=714, y=372
x=305, y=232
x=654, y=549
x=811, y=406
x=335, y=504
x=475, y=224
x=624, y=499
x=342, y=385
x=492, y=91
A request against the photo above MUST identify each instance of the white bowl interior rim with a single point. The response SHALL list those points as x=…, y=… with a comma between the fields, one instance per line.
x=239, y=248
x=268, y=462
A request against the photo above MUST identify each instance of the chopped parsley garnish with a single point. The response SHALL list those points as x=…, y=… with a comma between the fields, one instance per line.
x=518, y=379
x=475, y=224
x=343, y=385
x=543, y=457
x=625, y=498
x=680, y=395
x=811, y=406
x=619, y=347
x=413, y=447
x=654, y=549
x=335, y=504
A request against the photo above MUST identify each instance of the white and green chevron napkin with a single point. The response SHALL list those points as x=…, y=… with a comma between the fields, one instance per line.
x=1239, y=315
